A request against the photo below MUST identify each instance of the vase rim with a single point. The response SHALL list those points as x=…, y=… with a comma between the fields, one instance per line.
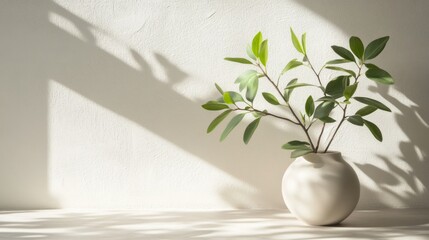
x=327, y=153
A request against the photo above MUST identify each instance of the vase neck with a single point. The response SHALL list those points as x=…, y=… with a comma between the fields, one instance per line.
x=323, y=157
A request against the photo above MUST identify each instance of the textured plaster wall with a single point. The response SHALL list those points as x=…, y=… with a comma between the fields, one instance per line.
x=100, y=102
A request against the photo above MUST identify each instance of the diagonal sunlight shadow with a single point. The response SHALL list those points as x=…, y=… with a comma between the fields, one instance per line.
x=403, y=21
x=130, y=93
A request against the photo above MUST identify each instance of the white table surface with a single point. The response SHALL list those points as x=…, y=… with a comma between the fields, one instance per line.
x=233, y=224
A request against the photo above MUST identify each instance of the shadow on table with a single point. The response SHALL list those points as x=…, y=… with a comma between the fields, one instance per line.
x=390, y=218
x=237, y=224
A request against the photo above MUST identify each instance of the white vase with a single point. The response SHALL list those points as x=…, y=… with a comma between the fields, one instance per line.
x=321, y=188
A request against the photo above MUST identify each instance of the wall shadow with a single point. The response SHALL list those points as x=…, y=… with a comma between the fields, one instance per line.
x=46, y=52
x=23, y=121
x=403, y=22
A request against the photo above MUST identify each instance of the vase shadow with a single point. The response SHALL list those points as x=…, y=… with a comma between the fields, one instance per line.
x=390, y=218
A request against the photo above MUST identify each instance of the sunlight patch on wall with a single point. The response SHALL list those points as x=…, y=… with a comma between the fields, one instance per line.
x=86, y=143
x=98, y=158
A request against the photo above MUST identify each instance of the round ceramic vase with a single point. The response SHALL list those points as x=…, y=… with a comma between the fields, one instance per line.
x=321, y=188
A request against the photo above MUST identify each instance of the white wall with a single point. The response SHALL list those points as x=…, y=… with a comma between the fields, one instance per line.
x=100, y=102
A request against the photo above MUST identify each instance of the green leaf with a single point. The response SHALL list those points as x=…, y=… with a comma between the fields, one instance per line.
x=338, y=61
x=342, y=70
x=292, y=81
x=292, y=145
x=300, y=152
x=245, y=78
x=220, y=100
x=379, y=75
x=259, y=114
x=326, y=99
x=356, y=46
x=250, y=129
x=263, y=52
x=373, y=102
x=295, y=41
x=375, y=47
x=350, y=90
x=292, y=86
x=238, y=60
x=344, y=53
x=288, y=92
x=336, y=86
x=356, y=120
x=327, y=119
x=232, y=97
x=370, y=66
x=374, y=130
x=214, y=106
x=304, y=42
x=302, y=117
x=250, y=53
x=323, y=109
x=219, y=88
x=231, y=125
x=252, y=89
x=218, y=120
x=366, y=110
x=227, y=98
x=256, y=44
x=270, y=98
x=309, y=106
x=244, y=84
x=304, y=58
x=291, y=65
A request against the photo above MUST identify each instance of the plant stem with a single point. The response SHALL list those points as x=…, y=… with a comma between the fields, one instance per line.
x=267, y=113
x=309, y=125
x=317, y=73
x=336, y=130
x=344, y=115
x=320, y=137
x=292, y=111
x=321, y=85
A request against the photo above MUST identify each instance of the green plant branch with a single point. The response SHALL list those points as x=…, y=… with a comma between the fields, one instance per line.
x=290, y=108
x=265, y=113
x=316, y=73
x=344, y=114
x=320, y=137
x=278, y=81
x=311, y=123
x=336, y=130
x=339, y=87
x=322, y=87
x=320, y=71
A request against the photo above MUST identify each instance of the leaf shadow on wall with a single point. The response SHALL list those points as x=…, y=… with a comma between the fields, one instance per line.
x=408, y=67
x=47, y=52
